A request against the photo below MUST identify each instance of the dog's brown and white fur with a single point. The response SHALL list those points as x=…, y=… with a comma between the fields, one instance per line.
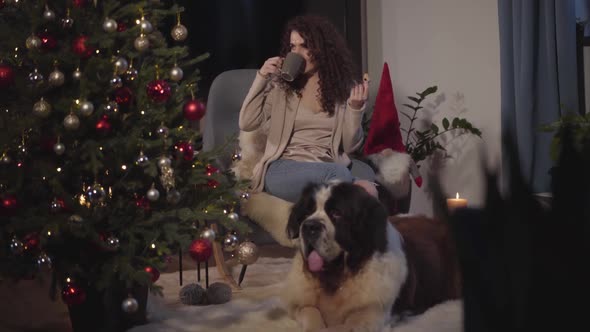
x=366, y=265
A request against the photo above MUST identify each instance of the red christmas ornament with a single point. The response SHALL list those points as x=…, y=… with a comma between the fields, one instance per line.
x=103, y=125
x=194, y=110
x=212, y=183
x=153, y=272
x=200, y=250
x=2, y=4
x=80, y=47
x=121, y=26
x=6, y=75
x=143, y=203
x=31, y=241
x=79, y=3
x=9, y=205
x=158, y=91
x=73, y=295
x=209, y=169
x=48, y=41
x=123, y=96
x=184, y=150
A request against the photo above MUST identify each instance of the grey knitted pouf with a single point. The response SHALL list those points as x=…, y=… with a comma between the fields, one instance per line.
x=192, y=294
x=218, y=293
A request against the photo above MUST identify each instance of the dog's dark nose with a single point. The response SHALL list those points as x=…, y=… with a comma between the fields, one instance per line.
x=311, y=229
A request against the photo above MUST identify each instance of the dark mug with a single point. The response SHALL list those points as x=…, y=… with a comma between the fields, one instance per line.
x=293, y=65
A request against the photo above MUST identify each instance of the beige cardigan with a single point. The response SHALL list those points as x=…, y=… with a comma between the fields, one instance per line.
x=269, y=109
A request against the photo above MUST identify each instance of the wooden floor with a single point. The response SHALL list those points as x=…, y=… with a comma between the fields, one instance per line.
x=26, y=307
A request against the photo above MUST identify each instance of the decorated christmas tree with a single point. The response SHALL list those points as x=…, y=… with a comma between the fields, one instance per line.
x=101, y=178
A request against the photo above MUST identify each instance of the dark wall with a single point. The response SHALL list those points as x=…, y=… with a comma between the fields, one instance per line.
x=244, y=33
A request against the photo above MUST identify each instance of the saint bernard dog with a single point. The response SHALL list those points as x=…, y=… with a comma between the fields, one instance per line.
x=351, y=265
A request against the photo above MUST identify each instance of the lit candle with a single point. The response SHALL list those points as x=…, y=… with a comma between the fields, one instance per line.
x=454, y=203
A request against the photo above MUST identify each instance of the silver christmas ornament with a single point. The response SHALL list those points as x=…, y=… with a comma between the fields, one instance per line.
x=77, y=74
x=141, y=43
x=230, y=242
x=121, y=65
x=71, y=122
x=116, y=82
x=112, y=242
x=67, y=22
x=245, y=196
x=179, y=32
x=59, y=148
x=208, y=234
x=162, y=131
x=56, y=78
x=236, y=156
x=95, y=193
x=109, y=25
x=173, y=197
x=48, y=14
x=176, y=74
x=36, y=77
x=129, y=305
x=142, y=160
x=42, y=108
x=131, y=74
x=153, y=194
x=16, y=246
x=86, y=108
x=43, y=261
x=247, y=253
x=145, y=26
x=233, y=216
x=33, y=42
x=164, y=161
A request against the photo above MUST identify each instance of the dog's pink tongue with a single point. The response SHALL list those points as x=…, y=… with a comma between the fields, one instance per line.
x=315, y=262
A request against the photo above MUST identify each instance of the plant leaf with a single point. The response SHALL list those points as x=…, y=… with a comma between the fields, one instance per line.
x=445, y=123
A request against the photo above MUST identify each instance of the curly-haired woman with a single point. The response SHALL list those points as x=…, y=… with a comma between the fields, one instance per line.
x=313, y=122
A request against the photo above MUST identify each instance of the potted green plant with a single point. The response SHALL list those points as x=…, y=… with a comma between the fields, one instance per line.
x=579, y=124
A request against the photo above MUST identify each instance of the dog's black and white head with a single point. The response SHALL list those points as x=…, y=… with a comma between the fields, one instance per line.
x=339, y=226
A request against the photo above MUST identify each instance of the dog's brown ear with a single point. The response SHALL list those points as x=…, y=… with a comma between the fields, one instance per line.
x=303, y=208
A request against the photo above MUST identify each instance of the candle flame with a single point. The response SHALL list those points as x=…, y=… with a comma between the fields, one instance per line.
x=457, y=195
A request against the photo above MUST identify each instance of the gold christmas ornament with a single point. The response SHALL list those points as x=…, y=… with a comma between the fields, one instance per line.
x=33, y=42
x=141, y=43
x=247, y=253
x=71, y=122
x=42, y=108
x=56, y=78
x=179, y=32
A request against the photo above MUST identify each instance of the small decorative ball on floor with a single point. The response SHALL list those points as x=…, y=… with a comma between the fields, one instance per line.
x=218, y=293
x=192, y=294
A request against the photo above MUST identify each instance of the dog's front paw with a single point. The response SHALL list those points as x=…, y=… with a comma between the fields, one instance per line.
x=310, y=319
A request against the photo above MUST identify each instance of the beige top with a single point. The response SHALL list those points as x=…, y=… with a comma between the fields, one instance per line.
x=312, y=131
x=266, y=103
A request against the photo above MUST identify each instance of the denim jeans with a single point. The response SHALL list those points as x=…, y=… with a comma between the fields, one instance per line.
x=286, y=178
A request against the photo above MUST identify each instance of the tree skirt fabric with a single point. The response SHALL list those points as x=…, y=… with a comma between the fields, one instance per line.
x=257, y=306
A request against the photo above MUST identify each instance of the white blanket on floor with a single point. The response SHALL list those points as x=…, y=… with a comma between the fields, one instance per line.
x=257, y=307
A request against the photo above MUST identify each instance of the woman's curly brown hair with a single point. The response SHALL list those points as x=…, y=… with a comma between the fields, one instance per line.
x=331, y=55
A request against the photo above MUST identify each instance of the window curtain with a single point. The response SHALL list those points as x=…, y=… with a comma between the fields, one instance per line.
x=538, y=77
